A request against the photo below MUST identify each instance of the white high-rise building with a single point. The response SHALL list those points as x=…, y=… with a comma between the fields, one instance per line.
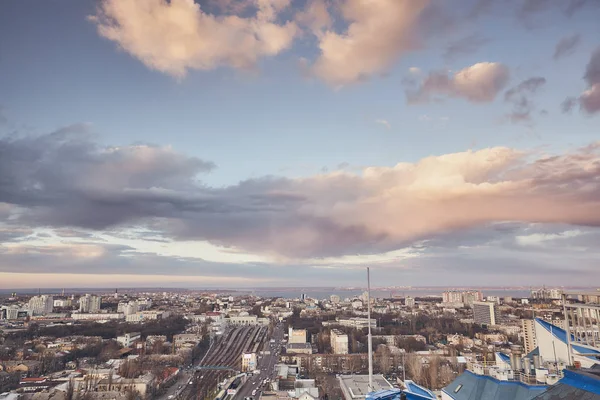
x=129, y=308
x=466, y=297
x=89, y=303
x=484, y=313
x=409, y=301
x=41, y=305
x=339, y=342
x=334, y=298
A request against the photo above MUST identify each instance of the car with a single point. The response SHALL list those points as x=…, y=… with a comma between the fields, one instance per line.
x=170, y=396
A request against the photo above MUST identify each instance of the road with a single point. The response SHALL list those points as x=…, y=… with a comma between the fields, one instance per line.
x=257, y=383
x=183, y=378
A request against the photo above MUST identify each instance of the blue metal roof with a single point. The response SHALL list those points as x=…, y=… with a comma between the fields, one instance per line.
x=413, y=388
x=581, y=381
x=580, y=385
x=470, y=386
x=503, y=357
x=561, y=335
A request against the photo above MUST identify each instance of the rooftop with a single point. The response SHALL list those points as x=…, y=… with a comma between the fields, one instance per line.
x=470, y=386
x=357, y=386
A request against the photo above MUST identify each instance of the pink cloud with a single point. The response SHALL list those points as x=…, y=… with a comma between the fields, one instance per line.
x=379, y=31
x=176, y=36
x=478, y=83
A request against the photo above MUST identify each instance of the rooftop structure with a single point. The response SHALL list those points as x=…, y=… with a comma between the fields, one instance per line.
x=582, y=333
x=554, y=345
x=412, y=391
x=357, y=386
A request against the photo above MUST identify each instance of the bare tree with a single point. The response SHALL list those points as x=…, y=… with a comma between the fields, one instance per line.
x=433, y=371
x=70, y=390
x=414, y=367
x=446, y=375
x=383, y=358
x=110, y=380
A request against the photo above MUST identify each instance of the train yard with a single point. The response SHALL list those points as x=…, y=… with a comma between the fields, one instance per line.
x=223, y=359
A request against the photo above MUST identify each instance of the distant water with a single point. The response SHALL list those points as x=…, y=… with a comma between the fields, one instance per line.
x=321, y=294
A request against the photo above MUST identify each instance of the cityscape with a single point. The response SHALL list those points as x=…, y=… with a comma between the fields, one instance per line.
x=300, y=200
x=189, y=344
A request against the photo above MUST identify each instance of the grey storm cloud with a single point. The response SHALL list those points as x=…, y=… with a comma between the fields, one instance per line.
x=65, y=180
x=520, y=98
x=566, y=46
x=589, y=100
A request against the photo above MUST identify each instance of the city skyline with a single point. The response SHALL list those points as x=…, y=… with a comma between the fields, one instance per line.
x=265, y=143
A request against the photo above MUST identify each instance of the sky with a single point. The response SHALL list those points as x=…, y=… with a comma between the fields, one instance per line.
x=263, y=143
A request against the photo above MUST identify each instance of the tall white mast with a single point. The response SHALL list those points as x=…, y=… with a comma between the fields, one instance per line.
x=369, y=337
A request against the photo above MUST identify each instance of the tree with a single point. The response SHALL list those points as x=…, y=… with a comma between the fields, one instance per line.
x=414, y=367
x=70, y=390
x=383, y=359
x=433, y=371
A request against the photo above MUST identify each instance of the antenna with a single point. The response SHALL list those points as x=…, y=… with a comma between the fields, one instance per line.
x=369, y=337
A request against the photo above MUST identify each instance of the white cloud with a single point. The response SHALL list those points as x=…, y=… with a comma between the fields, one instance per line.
x=176, y=36
x=315, y=16
x=379, y=32
x=541, y=239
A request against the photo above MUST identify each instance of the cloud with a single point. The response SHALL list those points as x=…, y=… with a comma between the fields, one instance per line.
x=528, y=9
x=566, y=46
x=384, y=123
x=568, y=104
x=519, y=96
x=315, y=16
x=478, y=83
x=378, y=32
x=66, y=180
x=464, y=46
x=176, y=36
x=589, y=100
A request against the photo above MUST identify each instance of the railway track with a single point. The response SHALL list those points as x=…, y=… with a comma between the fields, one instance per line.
x=226, y=352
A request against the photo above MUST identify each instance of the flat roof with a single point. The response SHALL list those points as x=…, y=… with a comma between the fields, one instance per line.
x=357, y=386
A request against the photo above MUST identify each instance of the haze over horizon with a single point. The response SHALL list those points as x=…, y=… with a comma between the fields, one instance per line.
x=262, y=143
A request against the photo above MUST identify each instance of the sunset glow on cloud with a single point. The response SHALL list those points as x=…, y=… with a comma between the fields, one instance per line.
x=283, y=142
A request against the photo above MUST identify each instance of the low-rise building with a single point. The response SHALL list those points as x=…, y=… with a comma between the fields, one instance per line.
x=356, y=387
x=97, y=316
x=248, y=362
x=299, y=348
x=182, y=339
x=339, y=342
x=128, y=339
